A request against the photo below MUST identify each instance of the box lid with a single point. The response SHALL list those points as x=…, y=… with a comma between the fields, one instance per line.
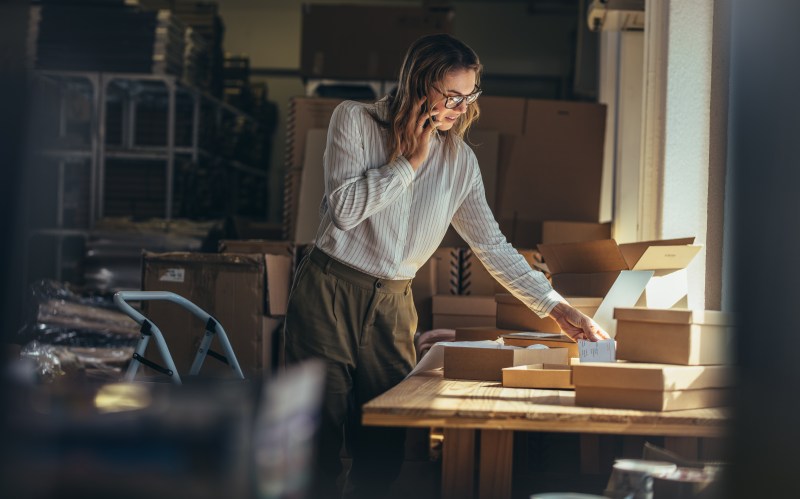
x=607, y=256
x=464, y=305
x=674, y=316
x=640, y=376
x=634, y=252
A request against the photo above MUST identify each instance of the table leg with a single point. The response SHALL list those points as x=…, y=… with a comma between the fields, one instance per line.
x=496, y=451
x=458, y=464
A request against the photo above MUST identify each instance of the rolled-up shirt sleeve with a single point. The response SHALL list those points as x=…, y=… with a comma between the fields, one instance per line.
x=354, y=190
x=475, y=222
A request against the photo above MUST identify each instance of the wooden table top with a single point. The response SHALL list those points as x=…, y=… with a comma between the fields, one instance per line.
x=429, y=400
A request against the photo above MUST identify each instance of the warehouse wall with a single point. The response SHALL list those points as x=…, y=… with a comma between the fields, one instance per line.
x=515, y=45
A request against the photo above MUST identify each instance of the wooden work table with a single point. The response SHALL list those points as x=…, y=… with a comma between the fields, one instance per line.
x=462, y=407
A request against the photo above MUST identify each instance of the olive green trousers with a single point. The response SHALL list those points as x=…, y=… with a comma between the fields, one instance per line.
x=363, y=328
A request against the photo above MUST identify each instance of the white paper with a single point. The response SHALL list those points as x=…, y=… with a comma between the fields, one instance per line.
x=597, y=351
x=625, y=292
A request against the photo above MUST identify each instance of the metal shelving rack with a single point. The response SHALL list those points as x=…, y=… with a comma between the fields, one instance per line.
x=94, y=154
x=136, y=83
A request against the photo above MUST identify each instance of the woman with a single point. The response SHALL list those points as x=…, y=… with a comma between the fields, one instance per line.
x=397, y=174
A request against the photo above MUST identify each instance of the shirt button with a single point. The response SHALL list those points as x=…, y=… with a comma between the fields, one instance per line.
x=378, y=285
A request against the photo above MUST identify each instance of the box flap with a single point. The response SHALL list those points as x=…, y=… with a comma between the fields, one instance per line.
x=667, y=257
x=641, y=376
x=632, y=252
x=583, y=258
x=674, y=316
x=464, y=305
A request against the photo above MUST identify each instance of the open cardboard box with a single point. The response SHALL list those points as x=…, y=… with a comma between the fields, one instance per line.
x=652, y=271
x=674, y=336
x=653, y=387
x=487, y=364
x=550, y=376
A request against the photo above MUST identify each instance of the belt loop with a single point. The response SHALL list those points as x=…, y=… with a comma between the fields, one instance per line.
x=408, y=287
x=328, y=265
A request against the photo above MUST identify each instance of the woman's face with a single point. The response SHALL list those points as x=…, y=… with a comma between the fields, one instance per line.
x=458, y=82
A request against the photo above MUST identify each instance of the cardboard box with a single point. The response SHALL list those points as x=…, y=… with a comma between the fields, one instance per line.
x=560, y=150
x=666, y=258
x=452, y=311
x=649, y=273
x=552, y=376
x=305, y=113
x=553, y=340
x=674, y=336
x=364, y=42
x=554, y=232
x=651, y=376
x=652, y=387
x=513, y=314
x=460, y=272
x=651, y=400
x=280, y=259
x=487, y=363
x=230, y=287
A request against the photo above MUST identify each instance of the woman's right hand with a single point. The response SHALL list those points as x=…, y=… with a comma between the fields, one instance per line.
x=424, y=127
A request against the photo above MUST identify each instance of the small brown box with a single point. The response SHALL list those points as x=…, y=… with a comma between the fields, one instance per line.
x=487, y=364
x=549, y=376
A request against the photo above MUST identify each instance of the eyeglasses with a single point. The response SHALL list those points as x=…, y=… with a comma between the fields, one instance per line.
x=454, y=101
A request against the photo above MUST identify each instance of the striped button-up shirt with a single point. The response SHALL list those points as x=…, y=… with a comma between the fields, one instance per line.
x=386, y=220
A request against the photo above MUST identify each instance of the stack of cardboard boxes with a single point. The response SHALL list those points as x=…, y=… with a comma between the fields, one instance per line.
x=671, y=359
x=597, y=277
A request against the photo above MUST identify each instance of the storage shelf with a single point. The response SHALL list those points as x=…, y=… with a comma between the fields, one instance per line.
x=127, y=108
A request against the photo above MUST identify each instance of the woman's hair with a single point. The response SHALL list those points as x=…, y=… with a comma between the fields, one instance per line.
x=426, y=64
